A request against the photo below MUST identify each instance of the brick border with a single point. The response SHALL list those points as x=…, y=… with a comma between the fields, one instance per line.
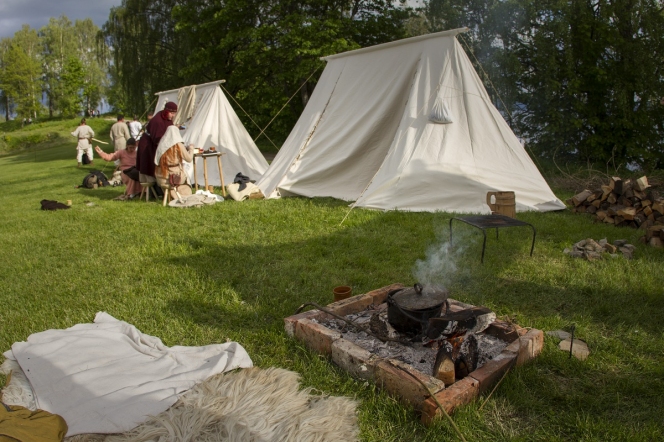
x=391, y=374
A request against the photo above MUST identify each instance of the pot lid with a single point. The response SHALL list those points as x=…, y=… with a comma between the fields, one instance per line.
x=419, y=297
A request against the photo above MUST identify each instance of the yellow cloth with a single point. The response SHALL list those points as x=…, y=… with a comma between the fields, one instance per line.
x=21, y=424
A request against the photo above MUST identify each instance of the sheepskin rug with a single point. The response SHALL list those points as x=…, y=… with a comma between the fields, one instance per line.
x=246, y=405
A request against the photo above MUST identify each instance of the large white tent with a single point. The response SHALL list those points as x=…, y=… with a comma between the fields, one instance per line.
x=366, y=135
x=210, y=120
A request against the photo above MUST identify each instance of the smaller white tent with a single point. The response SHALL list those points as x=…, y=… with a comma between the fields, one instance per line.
x=372, y=133
x=210, y=120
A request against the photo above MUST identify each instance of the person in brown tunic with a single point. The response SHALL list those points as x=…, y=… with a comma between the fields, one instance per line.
x=171, y=152
x=154, y=130
x=120, y=134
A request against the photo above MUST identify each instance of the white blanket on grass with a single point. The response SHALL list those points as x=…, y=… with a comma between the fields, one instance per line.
x=108, y=377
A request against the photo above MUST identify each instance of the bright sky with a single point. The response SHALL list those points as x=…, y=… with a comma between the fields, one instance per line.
x=36, y=13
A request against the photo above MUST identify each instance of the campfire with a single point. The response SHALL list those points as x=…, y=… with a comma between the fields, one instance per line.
x=417, y=342
x=417, y=326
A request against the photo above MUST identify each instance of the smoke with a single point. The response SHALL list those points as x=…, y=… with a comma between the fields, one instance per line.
x=441, y=266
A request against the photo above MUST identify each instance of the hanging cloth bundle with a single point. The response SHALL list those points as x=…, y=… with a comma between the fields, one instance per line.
x=440, y=112
x=186, y=104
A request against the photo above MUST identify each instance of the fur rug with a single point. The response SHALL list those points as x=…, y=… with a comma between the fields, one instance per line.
x=246, y=405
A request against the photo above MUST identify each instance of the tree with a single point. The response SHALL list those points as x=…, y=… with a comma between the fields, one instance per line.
x=22, y=72
x=581, y=79
x=5, y=102
x=73, y=80
x=62, y=40
x=58, y=44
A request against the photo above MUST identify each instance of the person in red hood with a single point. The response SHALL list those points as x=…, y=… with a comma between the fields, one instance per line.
x=154, y=130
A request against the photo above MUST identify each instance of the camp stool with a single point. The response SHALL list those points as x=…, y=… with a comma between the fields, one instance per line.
x=145, y=189
x=167, y=193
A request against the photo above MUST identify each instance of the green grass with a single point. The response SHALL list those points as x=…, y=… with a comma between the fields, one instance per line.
x=235, y=270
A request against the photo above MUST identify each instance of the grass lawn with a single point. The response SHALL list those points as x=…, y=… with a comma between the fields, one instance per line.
x=235, y=270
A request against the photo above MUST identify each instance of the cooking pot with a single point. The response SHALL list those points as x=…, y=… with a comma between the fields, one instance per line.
x=409, y=309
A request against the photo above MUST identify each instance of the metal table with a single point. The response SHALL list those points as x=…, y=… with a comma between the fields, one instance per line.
x=484, y=222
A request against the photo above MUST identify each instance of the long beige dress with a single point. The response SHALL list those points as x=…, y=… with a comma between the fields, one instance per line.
x=184, y=188
x=120, y=135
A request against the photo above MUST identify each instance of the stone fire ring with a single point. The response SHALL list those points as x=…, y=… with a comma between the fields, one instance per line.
x=389, y=374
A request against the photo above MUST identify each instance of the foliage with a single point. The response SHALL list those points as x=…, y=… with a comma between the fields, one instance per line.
x=61, y=41
x=72, y=80
x=20, y=77
x=235, y=270
x=266, y=50
x=580, y=79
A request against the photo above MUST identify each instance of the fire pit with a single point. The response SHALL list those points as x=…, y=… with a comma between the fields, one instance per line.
x=460, y=356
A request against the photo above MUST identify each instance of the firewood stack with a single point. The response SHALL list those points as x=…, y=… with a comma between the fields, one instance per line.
x=625, y=204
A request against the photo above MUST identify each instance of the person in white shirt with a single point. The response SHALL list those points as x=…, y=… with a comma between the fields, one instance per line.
x=135, y=128
x=84, y=133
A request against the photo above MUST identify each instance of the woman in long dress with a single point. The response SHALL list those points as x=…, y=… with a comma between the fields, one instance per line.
x=168, y=159
x=127, y=158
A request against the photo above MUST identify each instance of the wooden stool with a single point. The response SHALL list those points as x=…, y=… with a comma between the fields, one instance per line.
x=167, y=193
x=145, y=189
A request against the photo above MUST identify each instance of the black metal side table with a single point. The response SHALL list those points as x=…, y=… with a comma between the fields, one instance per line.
x=484, y=222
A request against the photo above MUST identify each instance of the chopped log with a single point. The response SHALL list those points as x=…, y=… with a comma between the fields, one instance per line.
x=618, y=220
x=606, y=190
x=581, y=209
x=641, y=184
x=628, y=193
x=646, y=203
x=624, y=201
x=443, y=369
x=658, y=207
x=627, y=213
x=581, y=197
x=600, y=214
x=616, y=185
x=651, y=217
x=608, y=219
x=656, y=242
x=612, y=198
x=639, y=219
x=591, y=209
x=654, y=231
x=596, y=203
x=627, y=185
x=640, y=195
x=613, y=210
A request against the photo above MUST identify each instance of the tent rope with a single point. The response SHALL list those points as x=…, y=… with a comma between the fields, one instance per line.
x=148, y=108
x=245, y=112
x=286, y=104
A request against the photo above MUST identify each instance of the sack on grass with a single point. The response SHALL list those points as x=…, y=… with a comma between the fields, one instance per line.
x=95, y=177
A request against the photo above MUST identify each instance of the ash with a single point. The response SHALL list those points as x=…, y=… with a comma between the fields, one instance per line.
x=420, y=356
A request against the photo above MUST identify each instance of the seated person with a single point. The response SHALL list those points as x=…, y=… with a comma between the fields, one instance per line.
x=127, y=159
x=168, y=160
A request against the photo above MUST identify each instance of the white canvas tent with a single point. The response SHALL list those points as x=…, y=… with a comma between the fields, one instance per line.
x=366, y=136
x=211, y=121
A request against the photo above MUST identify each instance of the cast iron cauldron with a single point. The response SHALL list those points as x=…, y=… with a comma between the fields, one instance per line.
x=409, y=309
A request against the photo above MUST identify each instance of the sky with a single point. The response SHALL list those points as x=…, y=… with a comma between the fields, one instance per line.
x=36, y=13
